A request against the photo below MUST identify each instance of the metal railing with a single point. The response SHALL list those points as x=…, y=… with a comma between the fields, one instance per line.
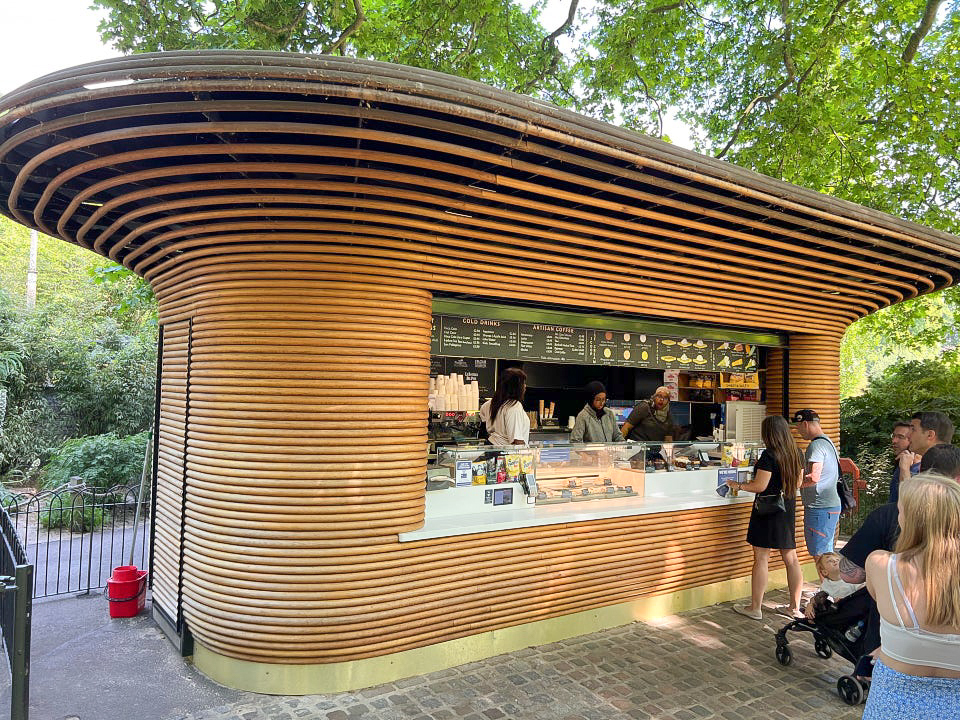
x=16, y=604
x=75, y=535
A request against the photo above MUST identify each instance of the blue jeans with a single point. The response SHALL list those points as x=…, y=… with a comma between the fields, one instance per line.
x=820, y=528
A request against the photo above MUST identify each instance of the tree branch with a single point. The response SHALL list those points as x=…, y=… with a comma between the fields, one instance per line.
x=475, y=30
x=926, y=22
x=552, y=37
x=666, y=8
x=787, y=38
x=775, y=95
x=287, y=30
x=656, y=103
x=354, y=26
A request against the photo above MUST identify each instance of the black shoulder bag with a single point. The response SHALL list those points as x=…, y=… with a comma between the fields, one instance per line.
x=769, y=504
x=848, y=502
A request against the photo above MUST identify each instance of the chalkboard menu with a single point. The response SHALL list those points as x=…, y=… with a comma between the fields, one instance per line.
x=684, y=354
x=478, y=338
x=736, y=357
x=483, y=370
x=624, y=349
x=556, y=343
x=435, y=335
x=475, y=336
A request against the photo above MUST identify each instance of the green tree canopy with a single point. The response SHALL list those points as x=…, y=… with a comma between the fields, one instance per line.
x=855, y=99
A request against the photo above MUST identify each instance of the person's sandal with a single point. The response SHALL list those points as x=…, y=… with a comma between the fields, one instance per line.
x=789, y=612
x=746, y=611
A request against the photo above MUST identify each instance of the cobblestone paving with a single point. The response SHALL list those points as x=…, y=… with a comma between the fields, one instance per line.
x=706, y=663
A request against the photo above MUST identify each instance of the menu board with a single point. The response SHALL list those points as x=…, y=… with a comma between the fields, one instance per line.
x=684, y=354
x=479, y=338
x=557, y=343
x=624, y=349
x=483, y=370
x=434, y=334
x=476, y=336
x=736, y=357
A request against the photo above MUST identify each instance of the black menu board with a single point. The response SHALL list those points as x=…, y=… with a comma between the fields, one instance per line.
x=438, y=366
x=624, y=349
x=477, y=336
x=483, y=370
x=434, y=335
x=736, y=357
x=557, y=343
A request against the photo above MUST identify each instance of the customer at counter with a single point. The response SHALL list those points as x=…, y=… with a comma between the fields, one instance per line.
x=596, y=422
x=507, y=422
x=651, y=419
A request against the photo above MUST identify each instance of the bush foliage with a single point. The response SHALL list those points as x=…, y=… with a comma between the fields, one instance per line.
x=72, y=513
x=905, y=388
x=101, y=461
x=867, y=420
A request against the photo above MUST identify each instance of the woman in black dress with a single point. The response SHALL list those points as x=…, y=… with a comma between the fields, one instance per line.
x=778, y=471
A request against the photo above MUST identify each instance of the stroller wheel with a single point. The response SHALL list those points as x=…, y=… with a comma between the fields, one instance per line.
x=850, y=690
x=784, y=655
x=823, y=650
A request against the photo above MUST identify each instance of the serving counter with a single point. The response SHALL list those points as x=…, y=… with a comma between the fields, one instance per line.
x=567, y=483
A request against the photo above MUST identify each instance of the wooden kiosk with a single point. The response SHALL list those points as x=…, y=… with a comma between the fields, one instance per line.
x=296, y=216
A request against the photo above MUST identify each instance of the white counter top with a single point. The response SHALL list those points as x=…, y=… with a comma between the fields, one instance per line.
x=444, y=519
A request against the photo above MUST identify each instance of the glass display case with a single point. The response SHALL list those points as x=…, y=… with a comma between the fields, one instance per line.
x=567, y=472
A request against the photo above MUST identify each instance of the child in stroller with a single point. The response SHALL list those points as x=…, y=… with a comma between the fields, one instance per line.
x=839, y=628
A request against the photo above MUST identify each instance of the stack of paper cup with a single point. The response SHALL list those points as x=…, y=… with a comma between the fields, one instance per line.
x=449, y=392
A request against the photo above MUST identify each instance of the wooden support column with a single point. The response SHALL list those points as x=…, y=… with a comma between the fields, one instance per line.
x=814, y=379
x=773, y=390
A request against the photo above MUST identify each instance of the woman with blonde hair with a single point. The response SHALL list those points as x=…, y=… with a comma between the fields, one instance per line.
x=777, y=474
x=917, y=589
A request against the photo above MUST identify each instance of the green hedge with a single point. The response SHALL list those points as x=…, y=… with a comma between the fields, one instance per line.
x=100, y=460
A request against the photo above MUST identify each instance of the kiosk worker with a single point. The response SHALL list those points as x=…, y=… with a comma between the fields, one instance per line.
x=596, y=423
x=507, y=422
x=651, y=420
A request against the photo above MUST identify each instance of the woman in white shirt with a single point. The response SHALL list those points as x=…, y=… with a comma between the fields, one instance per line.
x=507, y=422
x=917, y=589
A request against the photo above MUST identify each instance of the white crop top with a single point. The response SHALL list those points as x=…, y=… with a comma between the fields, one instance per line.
x=914, y=645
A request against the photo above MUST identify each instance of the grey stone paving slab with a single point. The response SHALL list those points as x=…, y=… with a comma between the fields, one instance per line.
x=706, y=663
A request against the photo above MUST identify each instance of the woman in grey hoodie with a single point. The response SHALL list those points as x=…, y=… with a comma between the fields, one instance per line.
x=596, y=422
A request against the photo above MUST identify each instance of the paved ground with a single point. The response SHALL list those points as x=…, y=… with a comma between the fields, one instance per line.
x=708, y=663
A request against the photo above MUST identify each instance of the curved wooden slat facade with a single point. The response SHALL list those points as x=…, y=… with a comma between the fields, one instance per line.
x=296, y=215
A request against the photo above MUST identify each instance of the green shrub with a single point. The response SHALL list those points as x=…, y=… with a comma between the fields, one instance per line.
x=101, y=461
x=905, y=388
x=69, y=511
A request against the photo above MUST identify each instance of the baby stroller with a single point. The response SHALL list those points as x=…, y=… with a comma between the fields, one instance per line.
x=838, y=628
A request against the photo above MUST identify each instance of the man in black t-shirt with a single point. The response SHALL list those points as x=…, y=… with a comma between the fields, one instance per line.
x=878, y=532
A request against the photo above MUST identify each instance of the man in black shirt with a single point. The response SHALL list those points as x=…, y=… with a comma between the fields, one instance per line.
x=878, y=532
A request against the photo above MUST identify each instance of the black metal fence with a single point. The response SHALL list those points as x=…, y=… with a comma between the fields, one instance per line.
x=75, y=535
x=16, y=581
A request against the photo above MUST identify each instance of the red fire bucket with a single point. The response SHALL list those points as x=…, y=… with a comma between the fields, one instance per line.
x=126, y=591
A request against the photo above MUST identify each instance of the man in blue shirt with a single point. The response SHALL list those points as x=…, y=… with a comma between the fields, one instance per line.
x=904, y=457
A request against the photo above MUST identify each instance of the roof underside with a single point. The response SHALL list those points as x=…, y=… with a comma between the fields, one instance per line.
x=218, y=148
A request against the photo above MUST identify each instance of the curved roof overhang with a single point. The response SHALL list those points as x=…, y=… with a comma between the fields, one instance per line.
x=155, y=160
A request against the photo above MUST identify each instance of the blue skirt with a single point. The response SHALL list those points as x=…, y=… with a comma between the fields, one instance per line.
x=897, y=696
